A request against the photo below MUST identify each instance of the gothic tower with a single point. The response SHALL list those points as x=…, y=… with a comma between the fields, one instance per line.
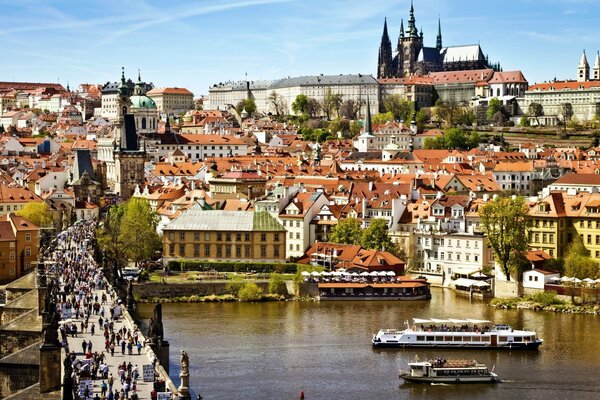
x=596, y=71
x=583, y=70
x=129, y=158
x=412, y=43
x=384, y=65
x=438, y=42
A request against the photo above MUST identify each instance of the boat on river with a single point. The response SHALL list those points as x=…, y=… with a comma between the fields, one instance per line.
x=457, y=333
x=440, y=370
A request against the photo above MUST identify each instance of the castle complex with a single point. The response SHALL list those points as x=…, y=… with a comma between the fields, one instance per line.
x=412, y=57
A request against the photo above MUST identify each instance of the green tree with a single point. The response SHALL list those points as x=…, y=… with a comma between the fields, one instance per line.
x=382, y=118
x=505, y=222
x=138, y=230
x=447, y=111
x=234, y=284
x=36, y=212
x=494, y=106
x=339, y=125
x=346, y=231
x=376, y=236
x=250, y=292
x=109, y=236
x=452, y=139
x=313, y=107
x=399, y=107
x=578, y=263
x=300, y=105
x=355, y=128
x=421, y=118
x=277, y=284
x=524, y=121
x=331, y=102
x=249, y=105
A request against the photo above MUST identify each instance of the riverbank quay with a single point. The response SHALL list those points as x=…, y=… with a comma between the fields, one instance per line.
x=103, y=352
x=544, y=301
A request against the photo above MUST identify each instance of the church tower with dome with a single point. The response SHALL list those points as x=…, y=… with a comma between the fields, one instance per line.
x=144, y=110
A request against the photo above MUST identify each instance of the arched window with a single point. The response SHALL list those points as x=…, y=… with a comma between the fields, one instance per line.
x=143, y=122
x=498, y=92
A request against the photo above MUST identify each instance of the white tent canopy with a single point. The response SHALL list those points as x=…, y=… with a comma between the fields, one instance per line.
x=305, y=273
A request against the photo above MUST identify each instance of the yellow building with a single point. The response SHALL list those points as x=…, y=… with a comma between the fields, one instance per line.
x=172, y=100
x=559, y=217
x=240, y=236
x=19, y=246
x=14, y=197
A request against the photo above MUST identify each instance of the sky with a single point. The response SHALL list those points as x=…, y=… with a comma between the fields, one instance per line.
x=195, y=44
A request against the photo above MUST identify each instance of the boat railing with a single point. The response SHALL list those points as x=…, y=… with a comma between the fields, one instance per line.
x=448, y=328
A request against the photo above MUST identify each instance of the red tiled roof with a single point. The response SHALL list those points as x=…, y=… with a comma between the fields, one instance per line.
x=564, y=85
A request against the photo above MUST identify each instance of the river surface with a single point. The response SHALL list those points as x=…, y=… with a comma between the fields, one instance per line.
x=276, y=350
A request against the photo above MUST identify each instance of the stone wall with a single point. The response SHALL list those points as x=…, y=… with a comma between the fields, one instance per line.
x=14, y=340
x=165, y=290
x=504, y=289
x=19, y=370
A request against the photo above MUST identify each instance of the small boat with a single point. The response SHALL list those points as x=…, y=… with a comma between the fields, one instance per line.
x=440, y=370
x=457, y=333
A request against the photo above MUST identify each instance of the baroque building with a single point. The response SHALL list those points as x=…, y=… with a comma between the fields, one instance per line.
x=412, y=57
x=119, y=150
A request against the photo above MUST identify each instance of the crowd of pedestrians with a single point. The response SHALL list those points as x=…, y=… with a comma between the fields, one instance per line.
x=102, y=349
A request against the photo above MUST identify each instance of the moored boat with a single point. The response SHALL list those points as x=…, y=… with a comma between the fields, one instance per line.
x=457, y=333
x=440, y=370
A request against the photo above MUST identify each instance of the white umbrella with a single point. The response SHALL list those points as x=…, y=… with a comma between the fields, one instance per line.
x=565, y=279
x=588, y=280
x=382, y=273
x=336, y=273
x=356, y=274
x=391, y=273
x=576, y=280
x=325, y=273
x=315, y=273
x=305, y=273
x=364, y=273
x=374, y=273
x=478, y=274
x=597, y=281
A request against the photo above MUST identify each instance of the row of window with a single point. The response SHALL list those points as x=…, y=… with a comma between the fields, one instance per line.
x=440, y=242
x=224, y=250
x=227, y=236
x=9, y=207
x=228, y=147
x=451, y=256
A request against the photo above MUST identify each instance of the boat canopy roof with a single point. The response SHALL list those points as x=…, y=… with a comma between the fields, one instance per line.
x=450, y=321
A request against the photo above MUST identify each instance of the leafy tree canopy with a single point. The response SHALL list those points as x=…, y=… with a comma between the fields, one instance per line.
x=346, y=231
x=36, y=212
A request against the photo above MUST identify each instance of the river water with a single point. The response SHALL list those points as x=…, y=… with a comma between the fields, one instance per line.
x=276, y=350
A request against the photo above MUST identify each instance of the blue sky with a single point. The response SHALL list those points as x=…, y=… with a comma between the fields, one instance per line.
x=194, y=44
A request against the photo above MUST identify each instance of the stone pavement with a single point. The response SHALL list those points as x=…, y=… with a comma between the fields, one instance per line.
x=98, y=343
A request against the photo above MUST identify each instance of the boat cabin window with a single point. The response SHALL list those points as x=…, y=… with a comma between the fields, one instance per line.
x=420, y=338
x=439, y=338
x=503, y=338
x=430, y=338
x=502, y=327
x=518, y=339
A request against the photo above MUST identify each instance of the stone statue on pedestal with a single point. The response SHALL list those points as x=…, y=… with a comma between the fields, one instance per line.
x=184, y=387
x=67, y=378
x=130, y=299
x=155, y=327
x=50, y=328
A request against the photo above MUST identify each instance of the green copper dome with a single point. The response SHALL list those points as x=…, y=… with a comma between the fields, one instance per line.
x=142, y=102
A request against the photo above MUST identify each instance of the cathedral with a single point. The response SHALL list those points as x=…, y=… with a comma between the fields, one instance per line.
x=412, y=58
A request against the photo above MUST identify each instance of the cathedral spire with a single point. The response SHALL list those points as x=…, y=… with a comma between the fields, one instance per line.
x=596, y=71
x=384, y=65
x=438, y=43
x=412, y=30
x=583, y=70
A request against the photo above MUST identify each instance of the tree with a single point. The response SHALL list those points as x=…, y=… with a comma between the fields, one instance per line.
x=331, y=102
x=109, y=237
x=578, y=262
x=339, y=125
x=277, y=103
x=524, y=121
x=499, y=118
x=350, y=108
x=138, y=230
x=466, y=116
x=453, y=139
x=346, y=231
x=536, y=110
x=446, y=111
x=376, y=236
x=380, y=119
x=421, y=118
x=300, y=105
x=355, y=128
x=249, y=105
x=313, y=107
x=399, y=107
x=494, y=106
x=37, y=212
x=250, y=292
x=504, y=220
x=277, y=284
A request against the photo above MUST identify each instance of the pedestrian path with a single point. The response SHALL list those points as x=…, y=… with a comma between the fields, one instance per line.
x=103, y=351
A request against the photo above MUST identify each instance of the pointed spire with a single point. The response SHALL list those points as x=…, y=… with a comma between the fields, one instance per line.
x=438, y=44
x=583, y=62
x=385, y=35
x=412, y=30
x=402, y=28
x=123, y=88
x=597, y=62
x=368, y=127
x=139, y=76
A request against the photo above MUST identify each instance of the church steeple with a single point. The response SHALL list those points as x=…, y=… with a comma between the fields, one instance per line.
x=583, y=70
x=596, y=72
x=368, y=126
x=438, y=42
x=384, y=65
x=139, y=86
x=412, y=29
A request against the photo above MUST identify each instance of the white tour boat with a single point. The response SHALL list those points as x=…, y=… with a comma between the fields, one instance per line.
x=440, y=370
x=457, y=333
